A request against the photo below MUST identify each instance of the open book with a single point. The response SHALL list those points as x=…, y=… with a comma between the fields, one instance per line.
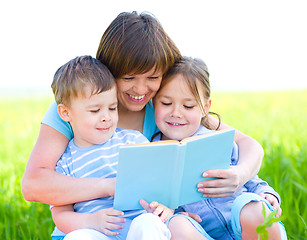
x=168, y=171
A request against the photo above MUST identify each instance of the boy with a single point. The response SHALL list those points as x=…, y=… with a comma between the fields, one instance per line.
x=85, y=92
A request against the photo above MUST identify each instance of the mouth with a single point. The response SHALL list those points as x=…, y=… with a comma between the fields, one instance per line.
x=103, y=129
x=136, y=98
x=174, y=124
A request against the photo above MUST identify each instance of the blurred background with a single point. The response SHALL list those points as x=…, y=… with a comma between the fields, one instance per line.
x=247, y=45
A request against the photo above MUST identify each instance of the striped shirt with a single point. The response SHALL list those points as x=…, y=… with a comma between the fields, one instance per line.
x=98, y=161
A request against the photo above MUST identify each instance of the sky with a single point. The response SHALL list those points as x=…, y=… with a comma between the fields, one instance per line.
x=247, y=45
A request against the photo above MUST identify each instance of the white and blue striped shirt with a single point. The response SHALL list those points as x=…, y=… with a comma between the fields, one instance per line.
x=99, y=161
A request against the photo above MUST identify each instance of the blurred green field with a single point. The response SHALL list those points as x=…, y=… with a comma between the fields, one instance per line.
x=276, y=119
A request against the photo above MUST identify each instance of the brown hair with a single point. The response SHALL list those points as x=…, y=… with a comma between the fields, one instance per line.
x=71, y=78
x=135, y=43
x=195, y=72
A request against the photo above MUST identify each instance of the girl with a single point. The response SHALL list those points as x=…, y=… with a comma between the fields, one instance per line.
x=182, y=106
x=138, y=52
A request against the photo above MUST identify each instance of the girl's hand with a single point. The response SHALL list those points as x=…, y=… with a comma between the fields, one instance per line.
x=192, y=215
x=106, y=220
x=226, y=182
x=157, y=209
x=273, y=201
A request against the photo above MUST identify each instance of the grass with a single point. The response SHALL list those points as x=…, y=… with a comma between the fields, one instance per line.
x=276, y=119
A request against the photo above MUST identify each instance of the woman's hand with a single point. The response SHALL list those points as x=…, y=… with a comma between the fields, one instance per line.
x=157, y=209
x=225, y=183
x=273, y=201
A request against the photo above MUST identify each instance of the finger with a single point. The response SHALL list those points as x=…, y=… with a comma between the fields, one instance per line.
x=164, y=215
x=193, y=215
x=112, y=219
x=218, y=173
x=216, y=192
x=262, y=195
x=108, y=232
x=154, y=204
x=112, y=211
x=113, y=226
x=159, y=210
x=279, y=212
x=218, y=183
x=145, y=205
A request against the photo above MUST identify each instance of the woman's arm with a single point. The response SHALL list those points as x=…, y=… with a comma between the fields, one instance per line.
x=230, y=180
x=42, y=184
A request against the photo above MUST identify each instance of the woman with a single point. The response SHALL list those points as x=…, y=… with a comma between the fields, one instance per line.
x=138, y=52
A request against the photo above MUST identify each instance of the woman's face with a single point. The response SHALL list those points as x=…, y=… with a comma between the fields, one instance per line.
x=134, y=91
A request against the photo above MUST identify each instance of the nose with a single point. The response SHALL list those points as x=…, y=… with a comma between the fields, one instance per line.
x=105, y=117
x=176, y=112
x=140, y=87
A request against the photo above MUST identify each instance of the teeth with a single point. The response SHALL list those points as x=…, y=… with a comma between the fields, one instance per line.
x=175, y=124
x=137, y=97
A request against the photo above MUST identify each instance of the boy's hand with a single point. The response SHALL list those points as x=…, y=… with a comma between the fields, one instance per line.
x=273, y=201
x=157, y=209
x=105, y=220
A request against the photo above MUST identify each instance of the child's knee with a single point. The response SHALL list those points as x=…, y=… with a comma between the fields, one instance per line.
x=251, y=217
x=252, y=213
x=181, y=228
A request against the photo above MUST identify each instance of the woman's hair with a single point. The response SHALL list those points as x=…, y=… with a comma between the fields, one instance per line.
x=196, y=74
x=71, y=79
x=135, y=43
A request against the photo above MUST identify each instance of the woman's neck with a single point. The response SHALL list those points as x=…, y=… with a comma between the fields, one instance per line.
x=131, y=119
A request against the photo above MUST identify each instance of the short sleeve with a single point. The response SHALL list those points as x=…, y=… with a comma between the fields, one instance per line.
x=52, y=119
x=140, y=138
x=149, y=127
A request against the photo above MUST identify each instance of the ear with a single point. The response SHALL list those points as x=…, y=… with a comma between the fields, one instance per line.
x=64, y=112
x=207, y=106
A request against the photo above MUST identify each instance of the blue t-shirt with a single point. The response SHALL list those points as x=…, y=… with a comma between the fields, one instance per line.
x=52, y=119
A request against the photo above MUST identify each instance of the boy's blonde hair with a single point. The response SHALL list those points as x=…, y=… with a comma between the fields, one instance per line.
x=135, y=43
x=71, y=79
x=196, y=74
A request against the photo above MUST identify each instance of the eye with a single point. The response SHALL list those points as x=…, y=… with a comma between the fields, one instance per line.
x=127, y=78
x=113, y=108
x=166, y=103
x=95, y=110
x=153, y=78
x=189, y=106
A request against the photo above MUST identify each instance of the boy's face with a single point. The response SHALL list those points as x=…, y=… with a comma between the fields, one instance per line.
x=177, y=113
x=135, y=91
x=93, y=118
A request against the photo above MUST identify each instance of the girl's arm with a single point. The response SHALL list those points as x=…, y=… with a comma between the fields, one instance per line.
x=103, y=221
x=230, y=180
x=42, y=184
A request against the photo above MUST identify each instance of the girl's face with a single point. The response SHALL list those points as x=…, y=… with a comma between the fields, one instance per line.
x=135, y=91
x=177, y=113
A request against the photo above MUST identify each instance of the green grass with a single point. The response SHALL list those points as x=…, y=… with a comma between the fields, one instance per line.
x=276, y=119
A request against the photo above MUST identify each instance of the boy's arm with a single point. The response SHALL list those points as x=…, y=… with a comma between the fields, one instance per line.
x=42, y=184
x=103, y=221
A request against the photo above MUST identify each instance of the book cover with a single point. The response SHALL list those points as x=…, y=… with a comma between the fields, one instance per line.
x=168, y=171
